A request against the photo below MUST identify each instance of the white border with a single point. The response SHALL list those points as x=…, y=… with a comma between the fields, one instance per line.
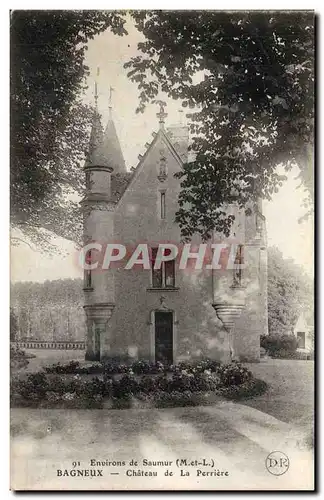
x=4, y=255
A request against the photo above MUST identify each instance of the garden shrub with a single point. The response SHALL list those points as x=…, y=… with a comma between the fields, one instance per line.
x=206, y=381
x=273, y=344
x=94, y=388
x=108, y=386
x=112, y=368
x=127, y=385
x=196, y=366
x=72, y=367
x=149, y=385
x=139, y=367
x=58, y=384
x=247, y=390
x=162, y=382
x=148, y=367
x=233, y=374
x=33, y=387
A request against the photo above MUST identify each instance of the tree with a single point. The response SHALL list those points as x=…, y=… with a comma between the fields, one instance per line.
x=13, y=325
x=49, y=123
x=290, y=292
x=51, y=310
x=248, y=78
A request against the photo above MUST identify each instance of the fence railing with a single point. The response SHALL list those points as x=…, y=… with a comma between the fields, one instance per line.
x=34, y=344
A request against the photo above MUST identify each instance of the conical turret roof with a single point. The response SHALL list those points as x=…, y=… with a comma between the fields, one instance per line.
x=112, y=149
x=96, y=154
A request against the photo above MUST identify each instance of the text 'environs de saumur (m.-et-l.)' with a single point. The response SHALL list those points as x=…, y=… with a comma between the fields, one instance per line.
x=183, y=467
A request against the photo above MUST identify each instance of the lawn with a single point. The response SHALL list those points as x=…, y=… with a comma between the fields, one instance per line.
x=46, y=357
x=290, y=395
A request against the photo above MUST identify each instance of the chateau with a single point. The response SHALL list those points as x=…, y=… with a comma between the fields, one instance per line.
x=165, y=314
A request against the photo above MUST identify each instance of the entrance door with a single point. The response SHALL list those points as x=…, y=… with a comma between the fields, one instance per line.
x=96, y=346
x=163, y=337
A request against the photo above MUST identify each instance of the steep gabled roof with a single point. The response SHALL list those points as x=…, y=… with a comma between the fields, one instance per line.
x=105, y=151
x=162, y=133
x=112, y=149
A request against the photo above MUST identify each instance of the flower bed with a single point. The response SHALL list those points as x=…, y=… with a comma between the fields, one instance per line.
x=138, y=367
x=247, y=390
x=181, y=387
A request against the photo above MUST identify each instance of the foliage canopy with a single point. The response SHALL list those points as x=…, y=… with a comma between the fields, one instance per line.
x=248, y=79
x=290, y=293
x=49, y=122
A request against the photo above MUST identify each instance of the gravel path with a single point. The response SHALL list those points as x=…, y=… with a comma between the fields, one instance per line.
x=230, y=438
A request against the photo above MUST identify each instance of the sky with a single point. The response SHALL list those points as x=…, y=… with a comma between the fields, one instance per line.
x=109, y=52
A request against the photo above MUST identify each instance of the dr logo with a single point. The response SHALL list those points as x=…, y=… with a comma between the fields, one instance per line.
x=277, y=463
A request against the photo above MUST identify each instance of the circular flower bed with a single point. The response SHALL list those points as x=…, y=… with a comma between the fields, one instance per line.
x=138, y=367
x=183, y=385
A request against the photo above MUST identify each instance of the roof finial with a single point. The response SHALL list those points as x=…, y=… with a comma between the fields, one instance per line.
x=96, y=89
x=161, y=115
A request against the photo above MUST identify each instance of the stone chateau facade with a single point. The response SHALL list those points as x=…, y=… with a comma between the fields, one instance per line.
x=170, y=314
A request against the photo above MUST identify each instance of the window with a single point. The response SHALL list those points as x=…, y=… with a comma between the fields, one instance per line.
x=162, y=203
x=156, y=273
x=87, y=272
x=165, y=276
x=301, y=340
x=238, y=271
x=169, y=273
